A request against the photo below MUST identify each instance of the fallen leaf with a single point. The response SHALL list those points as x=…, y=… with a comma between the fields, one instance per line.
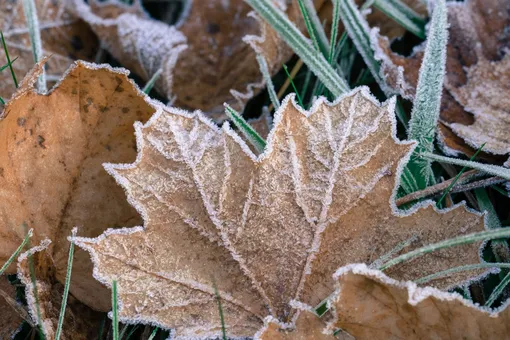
x=368, y=304
x=63, y=36
x=308, y=326
x=473, y=111
x=51, y=177
x=80, y=322
x=204, y=59
x=10, y=319
x=217, y=215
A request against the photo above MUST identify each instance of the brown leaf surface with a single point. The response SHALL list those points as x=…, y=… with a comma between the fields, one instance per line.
x=204, y=59
x=10, y=319
x=80, y=322
x=474, y=106
x=370, y=305
x=63, y=36
x=51, y=175
x=308, y=326
x=216, y=214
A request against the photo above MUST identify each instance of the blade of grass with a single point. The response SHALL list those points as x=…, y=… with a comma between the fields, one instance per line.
x=14, y=255
x=386, y=257
x=318, y=26
x=293, y=85
x=153, y=334
x=222, y=318
x=497, y=291
x=403, y=15
x=9, y=62
x=499, y=248
x=464, y=239
x=131, y=332
x=251, y=135
x=66, y=288
x=115, y=315
x=359, y=32
x=2, y=101
x=500, y=190
x=468, y=267
x=487, y=168
x=34, y=31
x=264, y=69
x=427, y=102
x=458, y=176
x=311, y=28
x=150, y=84
x=300, y=45
x=334, y=31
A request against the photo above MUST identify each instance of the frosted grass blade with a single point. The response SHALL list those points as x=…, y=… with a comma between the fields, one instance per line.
x=35, y=39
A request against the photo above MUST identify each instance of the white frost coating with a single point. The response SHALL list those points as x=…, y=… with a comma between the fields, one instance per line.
x=29, y=289
x=416, y=294
x=136, y=35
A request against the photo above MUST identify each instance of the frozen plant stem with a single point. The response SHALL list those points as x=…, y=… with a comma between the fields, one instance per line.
x=251, y=135
x=427, y=102
x=115, y=317
x=34, y=31
x=269, y=83
x=464, y=239
x=9, y=62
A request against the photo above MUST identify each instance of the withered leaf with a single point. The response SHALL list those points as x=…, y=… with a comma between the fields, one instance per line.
x=308, y=326
x=80, y=322
x=63, y=36
x=474, y=107
x=370, y=305
x=51, y=177
x=204, y=59
x=217, y=215
x=10, y=318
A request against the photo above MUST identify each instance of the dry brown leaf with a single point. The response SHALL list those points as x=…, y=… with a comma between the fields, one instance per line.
x=216, y=214
x=51, y=175
x=80, y=322
x=370, y=305
x=10, y=318
x=475, y=106
x=204, y=59
x=63, y=36
x=308, y=326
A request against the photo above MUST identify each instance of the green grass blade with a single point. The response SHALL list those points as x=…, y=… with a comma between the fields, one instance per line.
x=115, y=312
x=312, y=28
x=498, y=290
x=2, y=101
x=34, y=31
x=14, y=255
x=153, y=334
x=464, y=239
x=468, y=267
x=317, y=25
x=66, y=289
x=458, y=176
x=487, y=168
x=150, y=84
x=293, y=85
x=403, y=15
x=222, y=317
x=499, y=248
x=101, y=328
x=264, y=69
x=300, y=45
x=9, y=62
x=427, y=102
x=359, y=31
x=251, y=135
x=131, y=332
x=334, y=31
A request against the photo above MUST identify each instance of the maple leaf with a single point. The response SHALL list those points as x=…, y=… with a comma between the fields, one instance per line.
x=63, y=36
x=203, y=57
x=51, y=177
x=369, y=304
x=477, y=65
x=80, y=321
x=216, y=215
